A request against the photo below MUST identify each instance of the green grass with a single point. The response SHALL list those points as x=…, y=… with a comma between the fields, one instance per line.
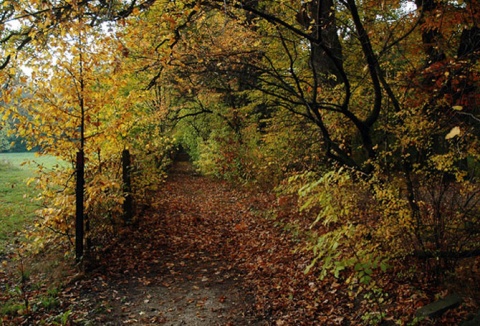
x=17, y=209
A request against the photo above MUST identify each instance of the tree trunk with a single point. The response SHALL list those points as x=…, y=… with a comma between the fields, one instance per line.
x=431, y=37
x=127, y=187
x=326, y=53
x=79, y=196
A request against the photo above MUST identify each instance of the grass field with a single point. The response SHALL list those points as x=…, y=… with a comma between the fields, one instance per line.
x=16, y=205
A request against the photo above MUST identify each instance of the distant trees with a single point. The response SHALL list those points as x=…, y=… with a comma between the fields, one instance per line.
x=4, y=137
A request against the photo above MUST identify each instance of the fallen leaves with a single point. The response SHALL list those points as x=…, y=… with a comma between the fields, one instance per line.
x=229, y=265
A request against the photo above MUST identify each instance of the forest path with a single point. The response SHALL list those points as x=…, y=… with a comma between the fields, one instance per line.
x=177, y=266
x=210, y=254
x=207, y=253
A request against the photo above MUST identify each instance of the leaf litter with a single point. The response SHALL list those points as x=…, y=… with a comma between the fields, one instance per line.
x=208, y=254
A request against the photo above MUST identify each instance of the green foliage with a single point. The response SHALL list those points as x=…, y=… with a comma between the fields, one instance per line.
x=373, y=318
x=12, y=308
x=22, y=301
x=220, y=156
x=64, y=317
x=363, y=223
x=47, y=302
x=344, y=233
x=261, y=153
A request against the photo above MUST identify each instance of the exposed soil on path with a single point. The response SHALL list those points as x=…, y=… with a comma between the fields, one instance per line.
x=174, y=269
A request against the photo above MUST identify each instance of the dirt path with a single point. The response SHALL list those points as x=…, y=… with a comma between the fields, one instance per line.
x=174, y=269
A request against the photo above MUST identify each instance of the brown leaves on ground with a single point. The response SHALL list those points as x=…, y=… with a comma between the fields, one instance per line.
x=208, y=254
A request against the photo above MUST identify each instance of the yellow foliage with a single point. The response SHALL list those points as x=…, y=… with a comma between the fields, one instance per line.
x=87, y=86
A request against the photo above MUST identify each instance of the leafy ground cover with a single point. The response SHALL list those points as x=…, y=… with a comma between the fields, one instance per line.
x=211, y=254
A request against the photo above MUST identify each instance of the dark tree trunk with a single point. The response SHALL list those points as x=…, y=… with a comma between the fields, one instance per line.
x=326, y=51
x=431, y=37
x=127, y=187
x=470, y=44
x=79, y=195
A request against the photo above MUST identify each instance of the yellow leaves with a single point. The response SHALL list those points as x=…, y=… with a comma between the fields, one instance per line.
x=453, y=133
x=79, y=74
x=171, y=22
x=63, y=32
x=444, y=162
x=30, y=181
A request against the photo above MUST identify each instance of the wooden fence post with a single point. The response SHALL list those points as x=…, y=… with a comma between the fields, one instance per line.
x=79, y=196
